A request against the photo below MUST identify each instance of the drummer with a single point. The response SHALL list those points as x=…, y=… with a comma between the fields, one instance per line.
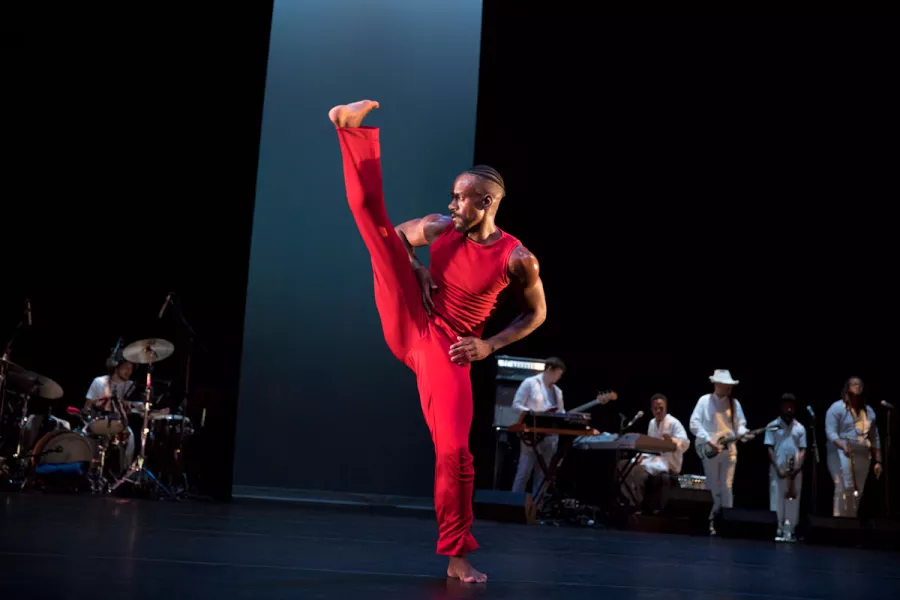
x=117, y=384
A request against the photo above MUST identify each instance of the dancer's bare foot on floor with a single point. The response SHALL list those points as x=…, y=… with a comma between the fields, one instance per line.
x=351, y=115
x=459, y=568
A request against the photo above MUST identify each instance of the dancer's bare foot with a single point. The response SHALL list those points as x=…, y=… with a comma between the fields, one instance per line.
x=351, y=115
x=459, y=568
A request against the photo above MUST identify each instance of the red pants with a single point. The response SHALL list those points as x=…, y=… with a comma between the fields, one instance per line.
x=419, y=341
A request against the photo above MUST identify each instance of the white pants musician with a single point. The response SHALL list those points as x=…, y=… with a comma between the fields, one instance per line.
x=845, y=504
x=719, y=472
x=786, y=444
x=528, y=463
x=850, y=425
x=788, y=510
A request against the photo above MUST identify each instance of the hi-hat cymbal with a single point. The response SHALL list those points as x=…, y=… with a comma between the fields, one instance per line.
x=147, y=351
x=26, y=382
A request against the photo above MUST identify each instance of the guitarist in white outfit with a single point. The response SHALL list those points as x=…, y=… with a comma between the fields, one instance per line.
x=538, y=394
x=718, y=415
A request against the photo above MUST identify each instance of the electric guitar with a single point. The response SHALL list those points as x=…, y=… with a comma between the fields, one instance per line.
x=602, y=399
x=706, y=451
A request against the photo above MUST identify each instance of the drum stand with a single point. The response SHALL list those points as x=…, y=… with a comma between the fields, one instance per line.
x=192, y=337
x=138, y=474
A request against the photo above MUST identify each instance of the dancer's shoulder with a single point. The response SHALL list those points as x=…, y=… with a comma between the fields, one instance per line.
x=524, y=266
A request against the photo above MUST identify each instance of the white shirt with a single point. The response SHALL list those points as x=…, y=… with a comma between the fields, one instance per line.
x=103, y=387
x=711, y=420
x=536, y=396
x=786, y=442
x=673, y=427
x=842, y=422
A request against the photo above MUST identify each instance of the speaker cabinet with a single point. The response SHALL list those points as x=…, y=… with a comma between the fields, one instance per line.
x=503, y=506
x=747, y=523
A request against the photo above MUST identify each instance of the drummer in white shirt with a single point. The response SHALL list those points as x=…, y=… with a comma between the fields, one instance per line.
x=538, y=394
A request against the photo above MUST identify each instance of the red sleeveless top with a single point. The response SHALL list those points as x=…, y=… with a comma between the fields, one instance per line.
x=470, y=277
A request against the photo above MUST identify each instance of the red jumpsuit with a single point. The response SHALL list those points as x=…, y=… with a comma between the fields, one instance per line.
x=469, y=277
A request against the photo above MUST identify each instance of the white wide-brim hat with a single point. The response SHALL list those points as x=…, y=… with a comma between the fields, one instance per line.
x=723, y=376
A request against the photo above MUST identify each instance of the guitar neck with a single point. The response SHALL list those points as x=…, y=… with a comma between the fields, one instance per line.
x=585, y=407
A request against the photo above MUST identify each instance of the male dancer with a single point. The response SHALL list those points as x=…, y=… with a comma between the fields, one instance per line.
x=433, y=320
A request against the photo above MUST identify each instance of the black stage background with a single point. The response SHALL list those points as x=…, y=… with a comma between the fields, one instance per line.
x=701, y=194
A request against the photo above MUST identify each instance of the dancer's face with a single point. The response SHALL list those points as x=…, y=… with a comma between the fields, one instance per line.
x=469, y=202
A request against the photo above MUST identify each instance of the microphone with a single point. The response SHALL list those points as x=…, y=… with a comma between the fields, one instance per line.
x=165, y=304
x=810, y=411
x=28, y=310
x=639, y=414
x=887, y=405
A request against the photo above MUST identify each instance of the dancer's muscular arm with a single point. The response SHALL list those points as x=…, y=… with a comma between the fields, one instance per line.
x=524, y=271
x=415, y=234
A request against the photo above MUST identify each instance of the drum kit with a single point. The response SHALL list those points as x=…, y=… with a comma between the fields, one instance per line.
x=88, y=452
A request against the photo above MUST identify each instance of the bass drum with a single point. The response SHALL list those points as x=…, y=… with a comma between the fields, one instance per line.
x=62, y=459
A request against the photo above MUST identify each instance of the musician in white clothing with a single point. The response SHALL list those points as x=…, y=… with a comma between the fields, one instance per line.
x=538, y=394
x=718, y=415
x=665, y=427
x=662, y=427
x=853, y=447
x=786, y=443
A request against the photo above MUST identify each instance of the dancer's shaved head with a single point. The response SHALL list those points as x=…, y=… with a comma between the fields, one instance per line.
x=491, y=178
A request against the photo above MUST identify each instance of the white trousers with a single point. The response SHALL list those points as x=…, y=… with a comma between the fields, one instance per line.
x=528, y=463
x=719, y=472
x=845, y=505
x=787, y=510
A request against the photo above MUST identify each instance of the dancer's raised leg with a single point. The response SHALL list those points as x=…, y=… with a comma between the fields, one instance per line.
x=397, y=296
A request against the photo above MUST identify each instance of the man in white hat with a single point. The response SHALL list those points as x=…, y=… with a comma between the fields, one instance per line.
x=718, y=415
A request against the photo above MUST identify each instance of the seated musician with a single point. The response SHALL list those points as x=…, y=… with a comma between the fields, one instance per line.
x=116, y=385
x=655, y=467
x=538, y=394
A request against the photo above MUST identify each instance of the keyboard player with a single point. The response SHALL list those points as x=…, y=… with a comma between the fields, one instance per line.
x=538, y=394
x=653, y=468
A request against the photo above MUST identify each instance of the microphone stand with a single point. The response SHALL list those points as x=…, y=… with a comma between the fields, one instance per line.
x=886, y=459
x=192, y=337
x=4, y=372
x=815, y=468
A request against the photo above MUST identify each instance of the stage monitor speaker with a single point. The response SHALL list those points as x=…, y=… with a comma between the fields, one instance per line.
x=881, y=534
x=833, y=531
x=694, y=505
x=503, y=506
x=746, y=523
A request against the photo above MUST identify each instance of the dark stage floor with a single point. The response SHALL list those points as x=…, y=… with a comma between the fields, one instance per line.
x=82, y=547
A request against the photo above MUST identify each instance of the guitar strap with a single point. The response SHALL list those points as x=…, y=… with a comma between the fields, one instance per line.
x=733, y=425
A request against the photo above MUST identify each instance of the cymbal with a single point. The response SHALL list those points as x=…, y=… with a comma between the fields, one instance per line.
x=149, y=350
x=26, y=382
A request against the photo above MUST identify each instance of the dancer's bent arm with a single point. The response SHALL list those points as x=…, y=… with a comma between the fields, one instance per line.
x=524, y=271
x=416, y=234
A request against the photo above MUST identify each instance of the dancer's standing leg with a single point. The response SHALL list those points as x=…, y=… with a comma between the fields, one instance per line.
x=444, y=388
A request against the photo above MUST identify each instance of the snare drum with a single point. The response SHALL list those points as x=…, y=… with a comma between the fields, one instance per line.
x=106, y=424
